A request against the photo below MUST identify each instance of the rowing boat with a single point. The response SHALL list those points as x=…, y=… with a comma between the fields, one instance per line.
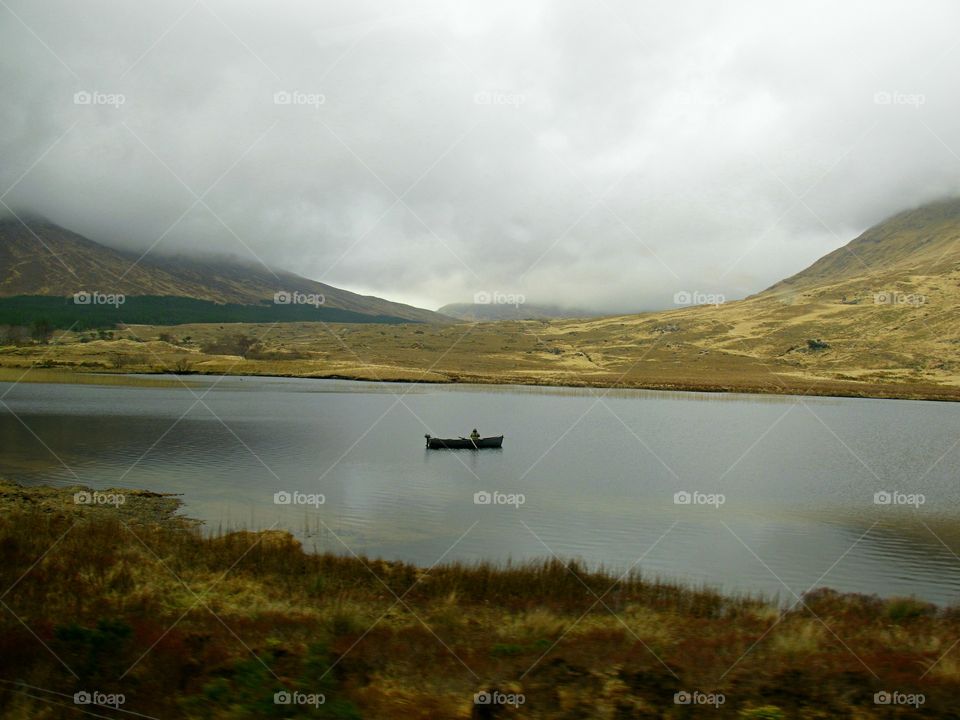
x=463, y=443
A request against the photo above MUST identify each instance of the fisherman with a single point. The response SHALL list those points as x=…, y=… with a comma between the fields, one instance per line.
x=474, y=435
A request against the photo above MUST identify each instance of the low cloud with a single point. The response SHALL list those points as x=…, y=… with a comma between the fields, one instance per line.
x=601, y=157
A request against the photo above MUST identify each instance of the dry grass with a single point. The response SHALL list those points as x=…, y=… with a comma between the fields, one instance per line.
x=760, y=344
x=820, y=332
x=223, y=622
x=646, y=363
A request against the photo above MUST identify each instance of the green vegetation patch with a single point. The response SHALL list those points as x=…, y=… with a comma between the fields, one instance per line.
x=64, y=312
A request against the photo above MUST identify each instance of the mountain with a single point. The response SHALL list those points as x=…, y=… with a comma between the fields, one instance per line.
x=880, y=316
x=883, y=308
x=877, y=317
x=486, y=312
x=921, y=241
x=42, y=258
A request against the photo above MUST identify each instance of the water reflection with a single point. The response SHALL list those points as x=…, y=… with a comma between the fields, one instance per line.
x=798, y=476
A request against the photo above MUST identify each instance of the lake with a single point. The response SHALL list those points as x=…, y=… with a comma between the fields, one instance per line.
x=745, y=493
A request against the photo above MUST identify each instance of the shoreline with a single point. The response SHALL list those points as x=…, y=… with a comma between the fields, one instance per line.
x=165, y=378
x=184, y=620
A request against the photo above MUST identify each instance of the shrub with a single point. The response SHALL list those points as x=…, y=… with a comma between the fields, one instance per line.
x=767, y=712
x=41, y=330
x=241, y=345
x=900, y=609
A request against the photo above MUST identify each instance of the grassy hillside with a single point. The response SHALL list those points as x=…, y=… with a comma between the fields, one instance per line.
x=922, y=241
x=45, y=259
x=130, y=599
x=841, y=327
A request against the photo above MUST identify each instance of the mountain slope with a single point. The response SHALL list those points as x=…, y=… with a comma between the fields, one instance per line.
x=921, y=241
x=838, y=327
x=46, y=259
x=889, y=327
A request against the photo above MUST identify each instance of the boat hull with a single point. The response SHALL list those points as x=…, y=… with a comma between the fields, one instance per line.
x=464, y=443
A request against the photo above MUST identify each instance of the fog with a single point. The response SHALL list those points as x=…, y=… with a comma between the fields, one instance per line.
x=598, y=155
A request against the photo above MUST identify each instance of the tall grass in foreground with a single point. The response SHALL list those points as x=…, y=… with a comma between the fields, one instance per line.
x=192, y=626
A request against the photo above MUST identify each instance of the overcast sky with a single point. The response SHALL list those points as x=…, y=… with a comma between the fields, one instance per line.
x=601, y=155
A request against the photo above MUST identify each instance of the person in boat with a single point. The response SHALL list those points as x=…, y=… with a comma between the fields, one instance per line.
x=474, y=435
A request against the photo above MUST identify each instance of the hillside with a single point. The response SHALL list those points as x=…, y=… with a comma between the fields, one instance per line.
x=889, y=326
x=46, y=259
x=921, y=241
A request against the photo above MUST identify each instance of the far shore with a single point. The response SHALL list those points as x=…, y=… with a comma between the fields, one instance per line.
x=166, y=378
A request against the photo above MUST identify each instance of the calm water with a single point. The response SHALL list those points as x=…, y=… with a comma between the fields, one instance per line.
x=598, y=474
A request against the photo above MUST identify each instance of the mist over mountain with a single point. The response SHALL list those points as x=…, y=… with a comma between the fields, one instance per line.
x=41, y=258
x=492, y=311
x=603, y=159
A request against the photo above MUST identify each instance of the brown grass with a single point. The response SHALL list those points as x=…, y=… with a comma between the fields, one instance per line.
x=222, y=622
x=756, y=345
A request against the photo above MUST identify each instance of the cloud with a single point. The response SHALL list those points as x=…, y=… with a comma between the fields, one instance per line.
x=602, y=157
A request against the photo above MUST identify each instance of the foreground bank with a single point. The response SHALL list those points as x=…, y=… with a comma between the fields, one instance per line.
x=112, y=597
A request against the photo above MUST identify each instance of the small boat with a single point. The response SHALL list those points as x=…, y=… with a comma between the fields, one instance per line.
x=463, y=443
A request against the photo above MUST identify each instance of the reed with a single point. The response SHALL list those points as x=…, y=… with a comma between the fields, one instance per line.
x=188, y=624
